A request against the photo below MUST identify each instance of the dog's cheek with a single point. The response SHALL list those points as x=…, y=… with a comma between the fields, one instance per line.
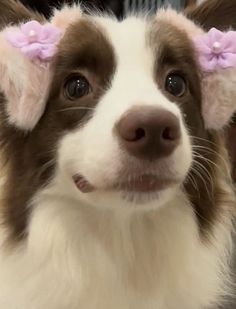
x=92, y=151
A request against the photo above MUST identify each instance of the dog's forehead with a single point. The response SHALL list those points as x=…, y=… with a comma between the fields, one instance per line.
x=129, y=35
x=127, y=39
x=133, y=41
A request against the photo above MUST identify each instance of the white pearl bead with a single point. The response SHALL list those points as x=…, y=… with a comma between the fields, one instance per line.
x=32, y=34
x=217, y=47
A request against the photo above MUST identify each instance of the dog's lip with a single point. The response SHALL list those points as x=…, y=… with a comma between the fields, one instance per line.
x=143, y=183
x=82, y=184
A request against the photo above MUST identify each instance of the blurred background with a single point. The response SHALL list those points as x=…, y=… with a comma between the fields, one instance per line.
x=119, y=7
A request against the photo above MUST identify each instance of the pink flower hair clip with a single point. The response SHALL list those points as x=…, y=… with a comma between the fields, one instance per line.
x=217, y=50
x=38, y=42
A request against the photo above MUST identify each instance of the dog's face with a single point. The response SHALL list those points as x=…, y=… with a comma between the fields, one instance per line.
x=128, y=93
x=120, y=118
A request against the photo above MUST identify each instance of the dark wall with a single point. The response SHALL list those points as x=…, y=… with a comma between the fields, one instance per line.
x=45, y=6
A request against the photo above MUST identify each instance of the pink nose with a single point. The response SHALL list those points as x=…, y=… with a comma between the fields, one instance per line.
x=149, y=133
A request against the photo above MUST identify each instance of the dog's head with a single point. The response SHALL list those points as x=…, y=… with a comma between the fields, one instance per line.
x=117, y=117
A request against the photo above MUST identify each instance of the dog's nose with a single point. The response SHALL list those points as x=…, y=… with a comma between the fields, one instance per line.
x=149, y=133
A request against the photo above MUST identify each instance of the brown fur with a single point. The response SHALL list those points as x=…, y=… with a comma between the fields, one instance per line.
x=12, y=11
x=190, y=2
x=214, y=13
x=31, y=156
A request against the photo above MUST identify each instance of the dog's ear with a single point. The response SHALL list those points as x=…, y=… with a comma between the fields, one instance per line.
x=219, y=87
x=214, y=13
x=25, y=66
x=23, y=82
x=215, y=52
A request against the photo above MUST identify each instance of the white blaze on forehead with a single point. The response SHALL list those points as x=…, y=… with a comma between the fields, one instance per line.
x=133, y=80
x=129, y=41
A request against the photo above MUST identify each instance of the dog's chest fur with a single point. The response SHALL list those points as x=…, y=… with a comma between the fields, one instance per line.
x=98, y=260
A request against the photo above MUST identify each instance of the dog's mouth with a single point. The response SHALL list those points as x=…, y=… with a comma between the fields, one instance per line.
x=141, y=184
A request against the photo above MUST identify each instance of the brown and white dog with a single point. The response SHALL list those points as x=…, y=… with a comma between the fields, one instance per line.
x=116, y=190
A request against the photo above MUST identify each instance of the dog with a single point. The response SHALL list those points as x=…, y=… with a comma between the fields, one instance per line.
x=116, y=187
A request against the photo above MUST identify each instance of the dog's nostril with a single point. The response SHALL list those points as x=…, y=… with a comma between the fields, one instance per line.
x=169, y=134
x=139, y=134
x=133, y=134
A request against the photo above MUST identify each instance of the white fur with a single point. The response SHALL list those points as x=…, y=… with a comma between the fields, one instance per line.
x=97, y=251
x=200, y=1
x=78, y=257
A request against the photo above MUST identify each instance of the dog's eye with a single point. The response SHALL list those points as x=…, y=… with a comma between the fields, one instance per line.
x=175, y=85
x=76, y=87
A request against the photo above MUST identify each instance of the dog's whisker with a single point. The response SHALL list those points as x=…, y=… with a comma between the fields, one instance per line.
x=209, y=162
x=46, y=166
x=205, y=173
x=196, y=170
x=192, y=180
x=203, y=139
x=211, y=151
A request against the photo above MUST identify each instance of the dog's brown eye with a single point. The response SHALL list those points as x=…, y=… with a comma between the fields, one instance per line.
x=77, y=87
x=175, y=85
